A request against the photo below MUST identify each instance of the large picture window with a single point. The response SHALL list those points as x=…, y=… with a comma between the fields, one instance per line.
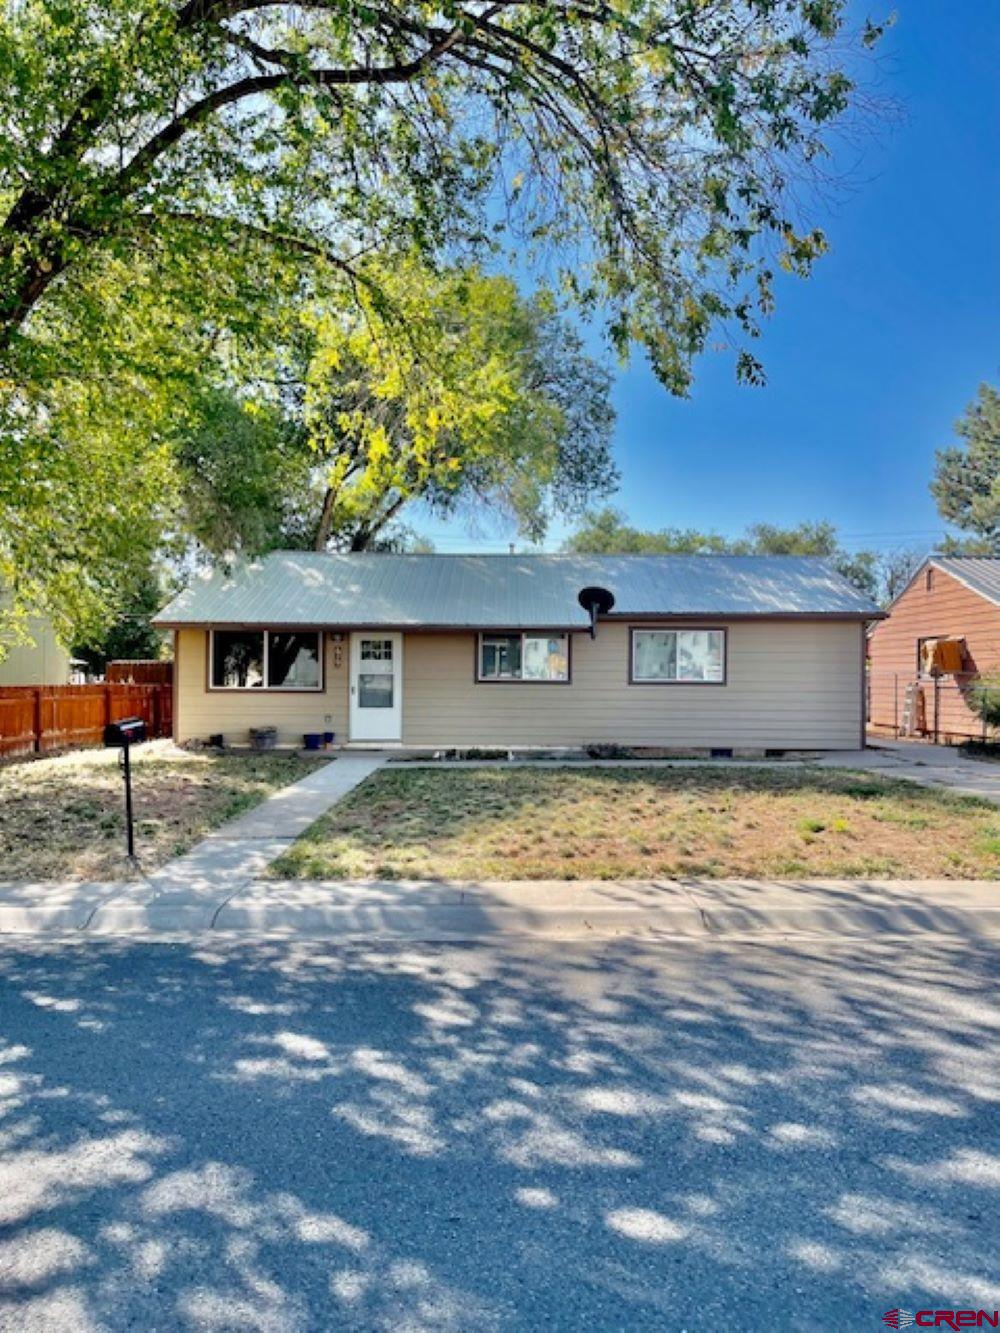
x=265, y=659
x=678, y=656
x=542, y=658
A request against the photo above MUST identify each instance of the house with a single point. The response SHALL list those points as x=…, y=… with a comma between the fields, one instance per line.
x=942, y=630
x=41, y=661
x=719, y=652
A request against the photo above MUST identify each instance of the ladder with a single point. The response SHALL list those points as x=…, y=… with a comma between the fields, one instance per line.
x=911, y=702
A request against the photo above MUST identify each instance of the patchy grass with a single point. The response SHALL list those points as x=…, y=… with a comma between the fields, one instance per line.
x=63, y=818
x=494, y=823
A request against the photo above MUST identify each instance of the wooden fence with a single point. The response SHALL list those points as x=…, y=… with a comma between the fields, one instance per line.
x=139, y=672
x=36, y=718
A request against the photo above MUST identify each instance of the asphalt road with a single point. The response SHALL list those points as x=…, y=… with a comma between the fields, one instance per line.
x=750, y=1135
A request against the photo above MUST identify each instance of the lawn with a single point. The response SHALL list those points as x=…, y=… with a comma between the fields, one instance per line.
x=62, y=817
x=605, y=823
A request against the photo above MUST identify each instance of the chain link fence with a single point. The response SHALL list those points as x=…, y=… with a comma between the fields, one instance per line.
x=935, y=708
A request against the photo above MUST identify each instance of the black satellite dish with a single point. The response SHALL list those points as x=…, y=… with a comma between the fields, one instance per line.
x=597, y=602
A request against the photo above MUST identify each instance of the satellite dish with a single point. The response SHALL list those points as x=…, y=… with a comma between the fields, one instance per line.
x=597, y=602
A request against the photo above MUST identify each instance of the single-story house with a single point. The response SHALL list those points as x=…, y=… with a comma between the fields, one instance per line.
x=717, y=652
x=942, y=630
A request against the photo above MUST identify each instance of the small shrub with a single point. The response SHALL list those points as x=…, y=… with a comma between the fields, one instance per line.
x=604, y=750
x=984, y=696
x=812, y=825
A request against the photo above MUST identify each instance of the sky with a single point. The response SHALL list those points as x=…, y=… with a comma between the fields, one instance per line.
x=871, y=359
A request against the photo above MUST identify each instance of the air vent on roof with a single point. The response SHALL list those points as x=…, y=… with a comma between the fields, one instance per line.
x=597, y=602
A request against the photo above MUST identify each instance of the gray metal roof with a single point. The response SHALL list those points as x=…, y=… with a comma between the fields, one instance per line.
x=981, y=575
x=506, y=591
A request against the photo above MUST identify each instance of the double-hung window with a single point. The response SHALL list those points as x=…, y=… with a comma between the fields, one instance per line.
x=258, y=659
x=540, y=658
x=678, y=656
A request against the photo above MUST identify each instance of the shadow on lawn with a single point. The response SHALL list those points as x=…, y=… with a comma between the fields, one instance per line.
x=295, y=1137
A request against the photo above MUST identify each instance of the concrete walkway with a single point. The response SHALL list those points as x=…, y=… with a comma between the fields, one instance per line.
x=428, y=910
x=187, y=893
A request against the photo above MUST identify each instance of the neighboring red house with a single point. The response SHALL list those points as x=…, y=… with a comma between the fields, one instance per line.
x=942, y=631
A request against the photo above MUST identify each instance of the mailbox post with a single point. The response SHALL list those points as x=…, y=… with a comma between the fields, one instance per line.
x=124, y=734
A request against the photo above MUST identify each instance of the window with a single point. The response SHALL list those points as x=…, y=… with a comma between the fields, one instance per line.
x=376, y=682
x=293, y=661
x=265, y=659
x=542, y=658
x=237, y=659
x=678, y=656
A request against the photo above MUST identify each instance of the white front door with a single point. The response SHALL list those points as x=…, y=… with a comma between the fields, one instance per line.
x=376, y=687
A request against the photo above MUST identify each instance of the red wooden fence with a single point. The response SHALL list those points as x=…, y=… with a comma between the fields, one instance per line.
x=139, y=672
x=35, y=718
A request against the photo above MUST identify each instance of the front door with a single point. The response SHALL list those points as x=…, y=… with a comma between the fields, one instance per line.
x=376, y=687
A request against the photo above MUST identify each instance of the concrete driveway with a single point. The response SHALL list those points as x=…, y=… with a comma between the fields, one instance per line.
x=295, y=1136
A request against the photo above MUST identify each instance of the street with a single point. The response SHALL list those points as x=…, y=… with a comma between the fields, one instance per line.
x=620, y=1134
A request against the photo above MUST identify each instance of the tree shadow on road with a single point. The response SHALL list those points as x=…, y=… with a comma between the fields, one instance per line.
x=298, y=1137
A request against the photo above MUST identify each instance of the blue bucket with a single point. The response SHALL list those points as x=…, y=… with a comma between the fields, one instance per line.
x=313, y=740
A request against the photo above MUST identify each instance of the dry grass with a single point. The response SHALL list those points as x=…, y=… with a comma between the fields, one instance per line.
x=62, y=817
x=495, y=823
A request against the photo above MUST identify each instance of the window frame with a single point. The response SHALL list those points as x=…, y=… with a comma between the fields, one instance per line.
x=523, y=634
x=264, y=687
x=633, y=679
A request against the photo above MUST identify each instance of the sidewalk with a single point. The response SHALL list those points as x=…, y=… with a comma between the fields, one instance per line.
x=427, y=910
x=215, y=887
x=186, y=894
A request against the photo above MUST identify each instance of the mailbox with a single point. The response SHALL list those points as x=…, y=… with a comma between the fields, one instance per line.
x=126, y=731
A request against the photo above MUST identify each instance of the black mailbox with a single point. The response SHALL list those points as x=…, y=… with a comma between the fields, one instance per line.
x=126, y=731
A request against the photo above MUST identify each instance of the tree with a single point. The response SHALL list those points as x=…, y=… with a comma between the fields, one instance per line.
x=466, y=394
x=664, y=135
x=966, y=481
x=895, y=569
x=228, y=153
x=131, y=635
x=607, y=533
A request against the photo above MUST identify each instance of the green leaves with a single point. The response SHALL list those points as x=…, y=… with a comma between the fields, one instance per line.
x=966, y=481
x=178, y=181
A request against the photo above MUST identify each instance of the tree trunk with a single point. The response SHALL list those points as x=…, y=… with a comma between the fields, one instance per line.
x=325, y=524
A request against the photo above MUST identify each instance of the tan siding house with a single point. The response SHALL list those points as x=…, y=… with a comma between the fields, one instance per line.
x=447, y=651
x=948, y=600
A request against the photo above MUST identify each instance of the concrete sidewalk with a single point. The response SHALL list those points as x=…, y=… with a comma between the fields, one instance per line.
x=431, y=910
x=186, y=894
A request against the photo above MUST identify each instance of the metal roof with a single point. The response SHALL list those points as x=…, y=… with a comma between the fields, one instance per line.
x=981, y=575
x=506, y=591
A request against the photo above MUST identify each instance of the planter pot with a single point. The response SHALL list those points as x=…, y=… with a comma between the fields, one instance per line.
x=263, y=738
x=313, y=740
x=329, y=737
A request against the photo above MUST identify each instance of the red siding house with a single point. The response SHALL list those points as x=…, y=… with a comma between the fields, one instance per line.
x=942, y=631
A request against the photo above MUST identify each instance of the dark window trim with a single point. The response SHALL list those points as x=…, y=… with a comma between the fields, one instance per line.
x=679, y=629
x=523, y=633
x=265, y=688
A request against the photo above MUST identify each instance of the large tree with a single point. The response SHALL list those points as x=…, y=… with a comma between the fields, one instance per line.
x=657, y=151
x=453, y=391
x=966, y=481
x=663, y=134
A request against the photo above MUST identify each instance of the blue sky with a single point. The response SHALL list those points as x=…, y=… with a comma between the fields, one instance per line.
x=871, y=359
